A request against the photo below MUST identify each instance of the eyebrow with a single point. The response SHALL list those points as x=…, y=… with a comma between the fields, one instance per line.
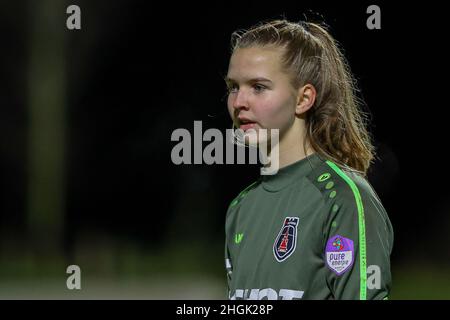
x=253, y=80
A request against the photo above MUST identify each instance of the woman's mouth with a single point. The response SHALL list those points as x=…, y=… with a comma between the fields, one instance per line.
x=247, y=125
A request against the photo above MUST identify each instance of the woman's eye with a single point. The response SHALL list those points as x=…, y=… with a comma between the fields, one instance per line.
x=259, y=87
x=232, y=88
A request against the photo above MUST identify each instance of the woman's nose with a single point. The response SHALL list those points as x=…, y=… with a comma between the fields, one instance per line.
x=240, y=101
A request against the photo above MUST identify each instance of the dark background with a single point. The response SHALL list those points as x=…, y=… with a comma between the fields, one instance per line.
x=86, y=118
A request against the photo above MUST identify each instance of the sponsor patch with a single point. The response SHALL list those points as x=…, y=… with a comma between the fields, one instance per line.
x=286, y=240
x=339, y=254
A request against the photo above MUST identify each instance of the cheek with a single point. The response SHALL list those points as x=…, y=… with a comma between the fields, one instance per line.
x=230, y=106
x=276, y=112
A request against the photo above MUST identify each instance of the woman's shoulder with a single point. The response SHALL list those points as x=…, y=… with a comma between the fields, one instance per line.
x=335, y=182
x=244, y=193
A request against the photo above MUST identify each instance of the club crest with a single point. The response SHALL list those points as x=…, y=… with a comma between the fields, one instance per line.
x=286, y=240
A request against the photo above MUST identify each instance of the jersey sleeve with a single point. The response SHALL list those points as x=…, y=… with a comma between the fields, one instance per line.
x=228, y=268
x=229, y=227
x=358, y=240
x=230, y=231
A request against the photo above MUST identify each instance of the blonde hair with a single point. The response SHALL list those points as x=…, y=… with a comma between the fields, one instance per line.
x=335, y=124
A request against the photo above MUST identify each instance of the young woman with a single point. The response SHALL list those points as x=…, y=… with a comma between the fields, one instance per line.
x=316, y=229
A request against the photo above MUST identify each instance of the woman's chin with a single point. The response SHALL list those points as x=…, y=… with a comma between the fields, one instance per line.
x=255, y=137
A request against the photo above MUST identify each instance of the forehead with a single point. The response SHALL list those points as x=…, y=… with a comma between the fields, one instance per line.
x=255, y=62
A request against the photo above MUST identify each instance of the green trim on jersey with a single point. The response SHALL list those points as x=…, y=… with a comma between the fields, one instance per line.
x=361, y=227
x=242, y=194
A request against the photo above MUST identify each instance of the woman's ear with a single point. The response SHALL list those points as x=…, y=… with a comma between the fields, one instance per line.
x=305, y=98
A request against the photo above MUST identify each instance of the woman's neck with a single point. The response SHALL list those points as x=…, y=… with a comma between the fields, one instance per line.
x=290, y=153
x=291, y=146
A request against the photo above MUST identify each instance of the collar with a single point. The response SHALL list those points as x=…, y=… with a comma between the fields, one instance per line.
x=291, y=173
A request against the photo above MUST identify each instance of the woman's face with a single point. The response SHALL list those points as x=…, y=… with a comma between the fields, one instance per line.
x=260, y=93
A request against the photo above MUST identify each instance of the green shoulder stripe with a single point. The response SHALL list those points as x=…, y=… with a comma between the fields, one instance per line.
x=242, y=194
x=361, y=227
